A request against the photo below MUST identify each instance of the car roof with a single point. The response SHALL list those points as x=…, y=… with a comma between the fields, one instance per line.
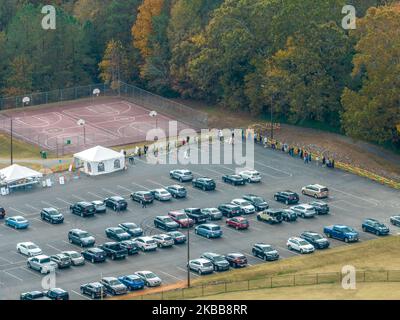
x=84, y=203
x=95, y=249
x=17, y=217
x=146, y=238
x=208, y=225
x=41, y=256
x=117, y=198
x=201, y=260
x=26, y=243
x=296, y=238
x=109, y=278
x=236, y=254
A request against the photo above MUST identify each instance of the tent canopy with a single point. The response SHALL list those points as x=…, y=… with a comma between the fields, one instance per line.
x=97, y=154
x=16, y=172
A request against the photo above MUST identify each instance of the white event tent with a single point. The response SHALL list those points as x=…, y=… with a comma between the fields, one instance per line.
x=99, y=160
x=18, y=176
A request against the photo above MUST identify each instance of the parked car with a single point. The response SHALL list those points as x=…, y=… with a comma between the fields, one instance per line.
x=177, y=191
x=181, y=175
x=131, y=246
x=251, y=175
x=265, y=252
x=239, y=223
x=271, y=216
x=230, y=210
x=374, y=226
x=95, y=290
x=132, y=282
x=81, y=238
x=300, y=245
x=94, y=255
x=181, y=218
x=150, y=278
x=117, y=234
x=165, y=223
x=51, y=215
x=62, y=260
x=163, y=240
x=320, y=207
x=146, y=243
x=219, y=261
x=209, y=230
x=41, y=263
x=76, y=258
x=116, y=203
x=236, y=260
x=317, y=240
x=234, y=179
x=178, y=237
x=212, y=213
x=28, y=249
x=289, y=215
x=114, y=250
x=142, y=197
x=131, y=228
x=201, y=266
x=204, y=183
x=83, y=209
x=258, y=202
x=395, y=220
x=17, y=222
x=99, y=206
x=287, y=197
x=196, y=215
x=2, y=213
x=33, y=295
x=161, y=194
x=113, y=286
x=304, y=210
x=341, y=232
x=315, y=190
x=245, y=206
x=57, y=294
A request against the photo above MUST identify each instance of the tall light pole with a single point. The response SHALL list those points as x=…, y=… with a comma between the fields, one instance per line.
x=11, y=141
x=188, y=256
x=272, y=120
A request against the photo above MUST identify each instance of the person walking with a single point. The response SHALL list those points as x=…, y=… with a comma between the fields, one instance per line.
x=144, y=204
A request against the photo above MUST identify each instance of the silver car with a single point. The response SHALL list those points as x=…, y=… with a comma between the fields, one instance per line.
x=113, y=286
x=201, y=266
x=76, y=258
x=163, y=240
x=304, y=210
x=100, y=206
x=181, y=175
x=161, y=194
x=212, y=213
x=150, y=278
x=42, y=263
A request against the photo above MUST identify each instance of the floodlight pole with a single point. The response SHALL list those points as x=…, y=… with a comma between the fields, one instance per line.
x=188, y=255
x=11, y=142
x=272, y=123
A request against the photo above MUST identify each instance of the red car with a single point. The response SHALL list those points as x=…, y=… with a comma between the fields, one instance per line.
x=2, y=213
x=181, y=218
x=239, y=223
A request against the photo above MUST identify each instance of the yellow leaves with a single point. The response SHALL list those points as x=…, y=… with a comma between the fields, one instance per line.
x=143, y=26
x=398, y=127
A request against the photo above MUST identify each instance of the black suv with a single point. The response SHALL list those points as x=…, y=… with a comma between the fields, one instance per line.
x=2, y=213
x=83, y=209
x=116, y=203
x=205, y=184
x=317, y=240
x=320, y=207
x=230, y=210
x=165, y=223
x=57, y=294
x=81, y=238
x=114, y=250
x=233, y=179
x=95, y=290
x=142, y=197
x=288, y=197
x=265, y=252
x=197, y=215
x=51, y=215
x=289, y=215
x=259, y=203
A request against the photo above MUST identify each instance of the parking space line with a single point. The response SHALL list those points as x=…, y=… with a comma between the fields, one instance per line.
x=31, y=272
x=15, y=277
x=123, y=188
x=6, y=260
x=50, y=205
x=32, y=207
x=275, y=169
x=81, y=295
x=108, y=191
x=66, y=202
x=140, y=186
x=50, y=246
x=170, y=275
x=191, y=272
x=77, y=197
x=19, y=211
x=95, y=195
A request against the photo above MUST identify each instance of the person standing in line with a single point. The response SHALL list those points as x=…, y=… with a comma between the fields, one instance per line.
x=144, y=204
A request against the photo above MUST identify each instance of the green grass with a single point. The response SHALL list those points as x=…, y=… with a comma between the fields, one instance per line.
x=21, y=150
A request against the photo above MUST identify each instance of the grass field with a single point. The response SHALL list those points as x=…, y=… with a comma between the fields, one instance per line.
x=22, y=150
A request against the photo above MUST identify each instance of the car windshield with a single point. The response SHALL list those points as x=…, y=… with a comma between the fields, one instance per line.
x=219, y=258
x=114, y=282
x=215, y=228
x=181, y=216
x=130, y=225
x=45, y=260
x=167, y=238
x=150, y=275
x=53, y=212
x=207, y=264
x=316, y=236
x=245, y=203
x=267, y=248
x=150, y=242
x=196, y=211
x=303, y=243
x=168, y=220
x=84, y=235
x=324, y=189
x=187, y=173
x=119, y=231
x=31, y=246
x=258, y=200
x=20, y=219
x=75, y=255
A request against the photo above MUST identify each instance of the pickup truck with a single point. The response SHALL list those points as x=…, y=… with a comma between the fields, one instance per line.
x=114, y=250
x=2, y=213
x=340, y=232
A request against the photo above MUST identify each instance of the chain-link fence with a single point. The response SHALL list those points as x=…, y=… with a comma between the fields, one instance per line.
x=294, y=280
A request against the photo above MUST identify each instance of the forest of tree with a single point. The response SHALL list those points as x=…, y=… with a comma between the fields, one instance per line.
x=237, y=54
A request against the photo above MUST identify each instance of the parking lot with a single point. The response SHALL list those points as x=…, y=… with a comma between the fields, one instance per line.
x=351, y=200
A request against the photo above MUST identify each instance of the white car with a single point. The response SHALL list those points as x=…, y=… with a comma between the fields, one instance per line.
x=161, y=194
x=315, y=190
x=146, y=243
x=150, y=278
x=181, y=175
x=300, y=245
x=164, y=240
x=304, y=210
x=29, y=249
x=245, y=206
x=42, y=263
x=251, y=175
x=201, y=266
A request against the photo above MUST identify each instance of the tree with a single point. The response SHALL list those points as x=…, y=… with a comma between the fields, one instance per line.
x=19, y=80
x=372, y=112
x=114, y=67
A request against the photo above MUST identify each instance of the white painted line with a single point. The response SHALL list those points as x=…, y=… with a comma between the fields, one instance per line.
x=30, y=271
x=50, y=205
x=50, y=246
x=111, y=192
x=32, y=207
x=15, y=277
x=140, y=186
x=156, y=183
x=8, y=261
x=77, y=197
x=281, y=171
x=170, y=275
x=95, y=195
x=370, y=200
x=66, y=202
x=77, y=293
x=185, y=270
x=19, y=211
x=123, y=188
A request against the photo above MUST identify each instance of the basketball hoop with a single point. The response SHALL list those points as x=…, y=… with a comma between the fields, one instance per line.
x=26, y=101
x=81, y=122
x=96, y=92
x=153, y=114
